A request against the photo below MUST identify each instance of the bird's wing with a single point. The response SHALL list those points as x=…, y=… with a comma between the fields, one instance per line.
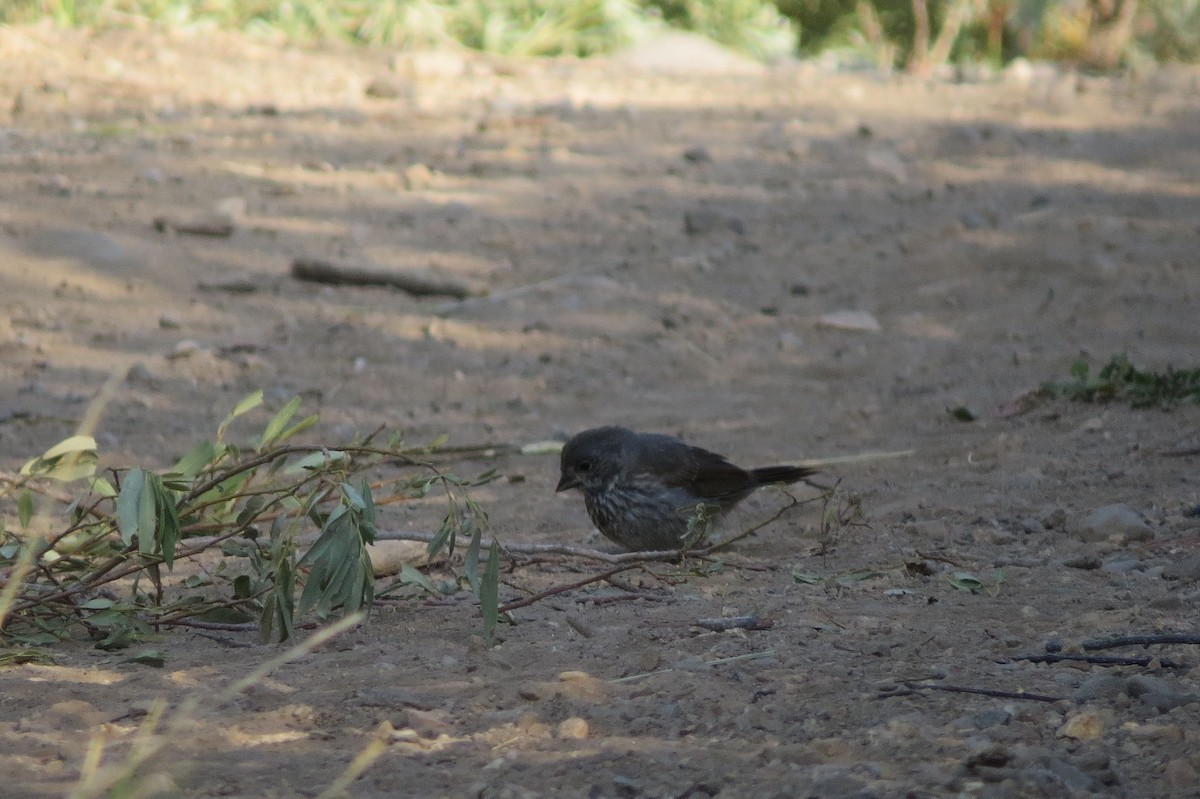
x=704, y=474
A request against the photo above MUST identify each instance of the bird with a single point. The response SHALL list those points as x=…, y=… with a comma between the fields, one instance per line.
x=649, y=491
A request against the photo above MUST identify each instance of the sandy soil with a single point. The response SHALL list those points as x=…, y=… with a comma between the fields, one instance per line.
x=663, y=252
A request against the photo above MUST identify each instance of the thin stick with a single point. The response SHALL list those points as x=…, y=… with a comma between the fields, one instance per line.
x=750, y=622
x=963, y=689
x=1141, y=640
x=1099, y=660
x=562, y=589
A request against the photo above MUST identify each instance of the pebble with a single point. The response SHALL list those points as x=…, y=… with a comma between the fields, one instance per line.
x=1180, y=774
x=1082, y=727
x=1053, y=518
x=860, y=321
x=699, y=221
x=1120, y=563
x=573, y=728
x=1113, y=522
x=184, y=349
x=1157, y=693
x=1187, y=569
x=88, y=246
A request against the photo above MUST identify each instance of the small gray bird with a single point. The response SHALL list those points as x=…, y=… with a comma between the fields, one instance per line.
x=654, y=492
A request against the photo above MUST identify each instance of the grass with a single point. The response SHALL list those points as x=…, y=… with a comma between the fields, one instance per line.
x=1121, y=381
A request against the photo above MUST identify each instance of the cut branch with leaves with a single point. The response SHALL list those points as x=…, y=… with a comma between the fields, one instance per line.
x=103, y=570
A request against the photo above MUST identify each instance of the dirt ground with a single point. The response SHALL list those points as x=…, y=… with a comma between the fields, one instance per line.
x=775, y=264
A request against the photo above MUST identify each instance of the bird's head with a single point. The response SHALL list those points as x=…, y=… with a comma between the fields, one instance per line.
x=592, y=458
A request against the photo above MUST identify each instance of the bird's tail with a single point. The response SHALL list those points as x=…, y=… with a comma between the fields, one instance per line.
x=780, y=474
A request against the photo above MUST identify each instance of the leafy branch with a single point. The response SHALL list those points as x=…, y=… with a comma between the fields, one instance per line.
x=138, y=546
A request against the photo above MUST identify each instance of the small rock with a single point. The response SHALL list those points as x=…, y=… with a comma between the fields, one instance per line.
x=790, y=342
x=169, y=321
x=697, y=155
x=1053, y=518
x=700, y=221
x=573, y=728
x=860, y=321
x=154, y=175
x=427, y=723
x=1121, y=563
x=384, y=89
x=396, y=698
x=1179, y=774
x=184, y=349
x=1157, y=693
x=1167, y=733
x=390, y=557
x=1070, y=776
x=88, y=246
x=878, y=650
x=1187, y=569
x=972, y=220
x=417, y=177
x=1113, y=523
x=888, y=161
x=140, y=374
x=215, y=224
x=1082, y=727
x=1101, y=686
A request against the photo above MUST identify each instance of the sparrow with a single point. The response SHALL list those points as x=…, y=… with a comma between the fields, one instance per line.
x=647, y=491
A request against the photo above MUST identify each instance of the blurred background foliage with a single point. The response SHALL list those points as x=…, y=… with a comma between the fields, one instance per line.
x=917, y=35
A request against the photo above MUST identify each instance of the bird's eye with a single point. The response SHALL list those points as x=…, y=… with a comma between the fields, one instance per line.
x=583, y=466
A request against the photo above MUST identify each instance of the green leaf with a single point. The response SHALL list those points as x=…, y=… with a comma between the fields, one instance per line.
x=168, y=521
x=69, y=445
x=248, y=403
x=965, y=581
x=471, y=560
x=129, y=502
x=410, y=574
x=961, y=413
x=278, y=423
x=19, y=657
x=315, y=460
x=297, y=428
x=101, y=487
x=147, y=514
x=97, y=604
x=489, y=594
x=191, y=464
x=147, y=657
x=807, y=578
x=25, y=507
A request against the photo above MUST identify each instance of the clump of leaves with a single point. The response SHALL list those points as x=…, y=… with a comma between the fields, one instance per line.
x=1120, y=380
x=103, y=572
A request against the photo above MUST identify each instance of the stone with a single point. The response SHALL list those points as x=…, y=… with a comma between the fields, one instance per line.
x=859, y=321
x=573, y=728
x=1082, y=727
x=1187, y=569
x=1113, y=523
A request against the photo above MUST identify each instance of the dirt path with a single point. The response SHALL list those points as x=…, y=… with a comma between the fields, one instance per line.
x=663, y=252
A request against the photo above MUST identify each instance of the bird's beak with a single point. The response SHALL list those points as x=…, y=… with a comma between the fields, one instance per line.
x=567, y=482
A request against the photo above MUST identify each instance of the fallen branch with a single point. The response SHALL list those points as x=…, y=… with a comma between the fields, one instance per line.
x=963, y=689
x=1099, y=660
x=750, y=622
x=562, y=589
x=1141, y=640
x=418, y=282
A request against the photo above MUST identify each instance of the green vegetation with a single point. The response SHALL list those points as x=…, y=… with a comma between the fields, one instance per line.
x=118, y=554
x=1119, y=380
x=915, y=34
